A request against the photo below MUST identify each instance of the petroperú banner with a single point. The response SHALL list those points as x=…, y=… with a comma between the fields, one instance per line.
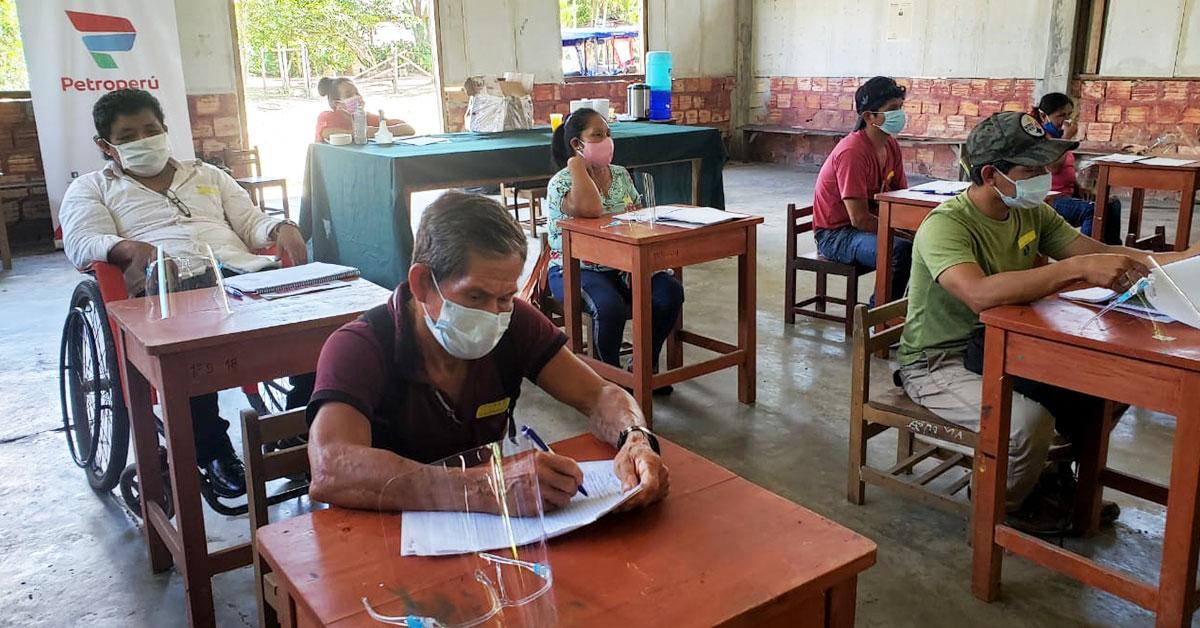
x=79, y=50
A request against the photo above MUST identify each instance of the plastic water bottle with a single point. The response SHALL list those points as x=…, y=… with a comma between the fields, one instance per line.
x=658, y=77
x=358, y=125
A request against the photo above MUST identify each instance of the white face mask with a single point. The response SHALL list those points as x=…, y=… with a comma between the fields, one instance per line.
x=145, y=157
x=466, y=333
x=1030, y=192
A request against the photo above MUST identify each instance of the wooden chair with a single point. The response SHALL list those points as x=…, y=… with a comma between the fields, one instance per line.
x=799, y=222
x=527, y=195
x=254, y=185
x=262, y=467
x=873, y=414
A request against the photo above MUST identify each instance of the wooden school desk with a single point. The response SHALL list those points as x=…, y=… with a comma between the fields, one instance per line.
x=204, y=352
x=717, y=551
x=642, y=250
x=1117, y=360
x=1141, y=177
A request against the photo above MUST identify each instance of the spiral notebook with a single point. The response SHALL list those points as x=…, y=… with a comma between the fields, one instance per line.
x=288, y=279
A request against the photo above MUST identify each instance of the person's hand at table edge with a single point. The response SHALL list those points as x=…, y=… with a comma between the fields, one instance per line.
x=291, y=244
x=636, y=463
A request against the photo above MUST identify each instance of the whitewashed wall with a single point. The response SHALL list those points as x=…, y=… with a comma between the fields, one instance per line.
x=495, y=36
x=1152, y=38
x=944, y=38
x=206, y=42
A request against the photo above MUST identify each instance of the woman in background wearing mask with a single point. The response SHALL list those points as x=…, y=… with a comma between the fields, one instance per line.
x=863, y=164
x=344, y=99
x=589, y=185
x=1076, y=203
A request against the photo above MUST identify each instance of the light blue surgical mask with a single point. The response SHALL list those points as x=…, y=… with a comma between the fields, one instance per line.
x=1030, y=192
x=893, y=121
x=466, y=333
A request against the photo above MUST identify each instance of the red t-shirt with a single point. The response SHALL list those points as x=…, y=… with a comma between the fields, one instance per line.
x=852, y=170
x=406, y=412
x=339, y=120
x=1064, y=180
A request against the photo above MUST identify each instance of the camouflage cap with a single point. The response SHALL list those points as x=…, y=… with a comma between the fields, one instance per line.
x=1014, y=137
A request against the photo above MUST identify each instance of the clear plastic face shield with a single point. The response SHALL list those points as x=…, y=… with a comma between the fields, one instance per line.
x=475, y=553
x=1163, y=293
x=182, y=285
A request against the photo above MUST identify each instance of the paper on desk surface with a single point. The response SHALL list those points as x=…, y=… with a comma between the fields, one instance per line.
x=1089, y=295
x=689, y=216
x=1165, y=161
x=942, y=187
x=1121, y=158
x=447, y=533
x=423, y=140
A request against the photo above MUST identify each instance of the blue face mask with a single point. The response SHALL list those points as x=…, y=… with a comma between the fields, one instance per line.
x=893, y=122
x=1052, y=129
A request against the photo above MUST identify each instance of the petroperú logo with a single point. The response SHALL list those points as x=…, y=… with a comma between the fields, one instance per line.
x=104, y=34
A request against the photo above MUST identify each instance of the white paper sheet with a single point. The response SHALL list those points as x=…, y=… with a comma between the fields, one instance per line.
x=948, y=188
x=448, y=533
x=1166, y=161
x=1089, y=295
x=690, y=216
x=1121, y=158
x=423, y=141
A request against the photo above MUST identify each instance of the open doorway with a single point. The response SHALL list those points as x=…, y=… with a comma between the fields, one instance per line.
x=286, y=46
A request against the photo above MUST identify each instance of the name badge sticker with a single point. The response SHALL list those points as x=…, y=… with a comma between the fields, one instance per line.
x=493, y=408
x=1026, y=239
x=208, y=190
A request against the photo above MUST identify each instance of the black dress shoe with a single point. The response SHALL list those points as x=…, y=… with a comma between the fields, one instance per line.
x=226, y=475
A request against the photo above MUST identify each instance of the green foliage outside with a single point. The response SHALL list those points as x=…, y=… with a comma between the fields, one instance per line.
x=585, y=13
x=336, y=32
x=12, y=56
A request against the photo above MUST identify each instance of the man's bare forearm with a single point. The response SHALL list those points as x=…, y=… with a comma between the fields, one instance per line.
x=613, y=411
x=366, y=478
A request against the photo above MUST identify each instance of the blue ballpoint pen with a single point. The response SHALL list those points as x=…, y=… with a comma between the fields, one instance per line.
x=528, y=432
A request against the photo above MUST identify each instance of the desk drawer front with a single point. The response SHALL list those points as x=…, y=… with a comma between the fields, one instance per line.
x=705, y=248
x=1105, y=375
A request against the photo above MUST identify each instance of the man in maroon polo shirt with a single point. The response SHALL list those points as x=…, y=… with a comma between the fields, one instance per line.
x=438, y=369
x=863, y=164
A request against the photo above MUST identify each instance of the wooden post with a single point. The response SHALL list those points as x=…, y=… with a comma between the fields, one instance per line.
x=743, y=85
x=307, y=70
x=262, y=64
x=283, y=70
x=395, y=69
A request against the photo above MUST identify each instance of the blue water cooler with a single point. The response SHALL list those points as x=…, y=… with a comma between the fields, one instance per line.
x=658, y=77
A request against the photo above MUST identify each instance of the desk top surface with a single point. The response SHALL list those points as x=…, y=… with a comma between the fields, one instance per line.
x=717, y=547
x=909, y=197
x=637, y=233
x=200, y=323
x=1192, y=167
x=1059, y=320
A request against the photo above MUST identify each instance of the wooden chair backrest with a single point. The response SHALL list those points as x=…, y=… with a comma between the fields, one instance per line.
x=264, y=467
x=867, y=342
x=239, y=158
x=535, y=284
x=799, y=221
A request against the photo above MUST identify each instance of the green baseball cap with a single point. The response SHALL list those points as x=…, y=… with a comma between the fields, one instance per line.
x=1014, y=137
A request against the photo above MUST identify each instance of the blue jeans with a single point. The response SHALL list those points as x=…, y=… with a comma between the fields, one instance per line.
x=848, y=245
x=607, y=299
x=1081, y=213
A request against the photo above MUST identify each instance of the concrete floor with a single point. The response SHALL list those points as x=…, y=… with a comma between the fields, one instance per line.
x=69, y=557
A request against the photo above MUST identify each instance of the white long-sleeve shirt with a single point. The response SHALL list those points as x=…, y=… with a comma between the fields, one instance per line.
x=107, y=206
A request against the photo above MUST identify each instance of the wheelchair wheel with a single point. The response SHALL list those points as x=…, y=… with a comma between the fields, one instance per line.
x=131, y=489
x=93, y=405
x=271, y=396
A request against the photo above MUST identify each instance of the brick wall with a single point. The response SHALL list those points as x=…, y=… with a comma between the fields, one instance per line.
x=701, y=101
x=1116, y=113
x=937, y=108
x=216, y=124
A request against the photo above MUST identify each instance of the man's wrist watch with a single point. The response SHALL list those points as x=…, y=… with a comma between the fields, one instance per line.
x=275, y=229
x=650, y=437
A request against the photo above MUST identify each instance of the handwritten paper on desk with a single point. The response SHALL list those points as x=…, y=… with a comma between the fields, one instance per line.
x=426, y=533
x=1166, y=161
x=948, y=188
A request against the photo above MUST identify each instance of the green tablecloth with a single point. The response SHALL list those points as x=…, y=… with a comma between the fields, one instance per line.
x=355, y=204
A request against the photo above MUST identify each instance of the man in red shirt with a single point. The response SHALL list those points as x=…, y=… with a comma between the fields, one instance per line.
x=863, y=163
x=437, y=371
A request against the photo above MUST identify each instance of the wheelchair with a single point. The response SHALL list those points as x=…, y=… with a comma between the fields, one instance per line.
x=94, y=409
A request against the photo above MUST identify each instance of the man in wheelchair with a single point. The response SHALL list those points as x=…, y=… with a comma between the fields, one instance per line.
x=142, y=199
